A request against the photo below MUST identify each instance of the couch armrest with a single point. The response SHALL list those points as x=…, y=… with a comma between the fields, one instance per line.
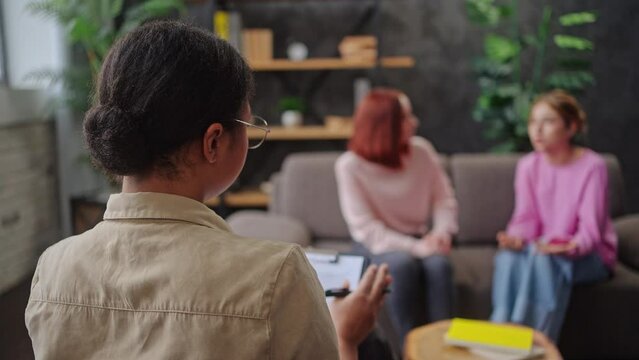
x=627, y=228
x=263, y=225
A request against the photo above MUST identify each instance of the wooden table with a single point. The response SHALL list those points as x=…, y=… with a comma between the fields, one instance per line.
x=427, y=342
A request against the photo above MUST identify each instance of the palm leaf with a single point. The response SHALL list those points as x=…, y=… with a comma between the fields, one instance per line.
x=573, y=42
x=578, y=18
x=500, y=48
x=484, y=12
x=570, y=80
x=487, y=67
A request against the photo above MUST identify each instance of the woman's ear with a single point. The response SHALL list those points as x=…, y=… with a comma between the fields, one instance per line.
x=573, y=129
x=211, y=142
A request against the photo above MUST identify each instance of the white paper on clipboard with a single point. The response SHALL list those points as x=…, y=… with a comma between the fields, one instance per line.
x=333, y=269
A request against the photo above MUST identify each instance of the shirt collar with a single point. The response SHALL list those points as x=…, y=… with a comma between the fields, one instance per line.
x=159, y=206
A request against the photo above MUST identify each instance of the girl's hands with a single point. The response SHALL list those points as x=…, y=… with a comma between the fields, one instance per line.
x=509, y=242
x=553, y=248
x=557, y=249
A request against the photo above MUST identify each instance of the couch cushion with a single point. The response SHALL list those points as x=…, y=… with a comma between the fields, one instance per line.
x=484, y=188
x=262, y=225
x=308, y=192
x=473, y=271
x=627, y=228
x=615, y=186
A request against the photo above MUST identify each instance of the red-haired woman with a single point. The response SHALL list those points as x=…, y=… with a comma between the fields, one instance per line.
x=391, y=187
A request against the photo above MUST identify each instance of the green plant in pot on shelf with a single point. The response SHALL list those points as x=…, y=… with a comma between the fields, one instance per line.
x=91, y=27
x=292, y=109
x=516, y=67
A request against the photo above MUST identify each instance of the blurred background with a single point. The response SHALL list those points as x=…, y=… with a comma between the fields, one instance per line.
x=470, y=68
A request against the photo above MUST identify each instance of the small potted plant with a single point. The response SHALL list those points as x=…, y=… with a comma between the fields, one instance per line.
x=292, y=109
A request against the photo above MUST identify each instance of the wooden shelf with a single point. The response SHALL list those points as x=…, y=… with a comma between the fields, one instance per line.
x=331, y=64
x=246, y=198
x=212, y=202
x=241, y=199
x=303, y=133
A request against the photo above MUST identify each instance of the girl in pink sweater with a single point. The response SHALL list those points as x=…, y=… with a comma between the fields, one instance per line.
x=560, y=232
x=391, y=188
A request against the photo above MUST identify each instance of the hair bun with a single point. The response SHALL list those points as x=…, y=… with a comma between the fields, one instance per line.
x=115, y=140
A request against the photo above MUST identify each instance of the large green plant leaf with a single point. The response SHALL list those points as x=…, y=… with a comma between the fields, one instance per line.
x=82, y=29
x=116, y=7
x=149, y=9
x=488, y=67
x=508, y=90
x=573, y=42
x=91, y=28
x=483, y=12
x=578, y=18
x=500, y=48
x=570, y=80
x=61, y=10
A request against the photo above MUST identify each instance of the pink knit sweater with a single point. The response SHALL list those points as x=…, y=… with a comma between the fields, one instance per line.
x=565, y=201
x=383, y=207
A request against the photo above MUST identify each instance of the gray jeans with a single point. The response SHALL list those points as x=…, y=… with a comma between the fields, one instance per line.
x=422, y=289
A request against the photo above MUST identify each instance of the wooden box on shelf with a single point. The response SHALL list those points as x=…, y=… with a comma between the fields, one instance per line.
x=257, y=44
x=358, y=48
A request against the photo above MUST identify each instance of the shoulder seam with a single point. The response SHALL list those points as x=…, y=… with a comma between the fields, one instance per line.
x=167, y=311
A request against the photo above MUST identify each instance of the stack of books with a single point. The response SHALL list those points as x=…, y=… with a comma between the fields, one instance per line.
x=257, y=44
x=493, y=341
x=358, y=48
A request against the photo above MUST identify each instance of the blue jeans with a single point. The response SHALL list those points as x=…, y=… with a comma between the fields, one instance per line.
x=534, y=289
x=422, y=289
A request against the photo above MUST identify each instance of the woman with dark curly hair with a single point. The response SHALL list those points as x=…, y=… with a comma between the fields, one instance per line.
x=162, y=276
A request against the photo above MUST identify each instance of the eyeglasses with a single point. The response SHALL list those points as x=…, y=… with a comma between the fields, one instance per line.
x=257, y=123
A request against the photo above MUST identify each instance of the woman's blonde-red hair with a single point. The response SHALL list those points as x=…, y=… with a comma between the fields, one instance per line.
x=378, y=125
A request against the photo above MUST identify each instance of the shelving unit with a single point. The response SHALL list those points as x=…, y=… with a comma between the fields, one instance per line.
x=331, y=64
x=257, y=198
x=321, y=66
x=279, y=133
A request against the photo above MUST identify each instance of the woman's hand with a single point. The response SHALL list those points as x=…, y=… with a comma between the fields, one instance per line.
x=509, y=242
x=440, y=241
x=422, y=249
x=557, y=249
x=354, y=315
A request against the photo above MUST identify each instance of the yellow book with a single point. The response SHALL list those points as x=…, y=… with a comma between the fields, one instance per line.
x=483, y=334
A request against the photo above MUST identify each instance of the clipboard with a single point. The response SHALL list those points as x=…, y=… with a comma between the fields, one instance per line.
x=334, y=268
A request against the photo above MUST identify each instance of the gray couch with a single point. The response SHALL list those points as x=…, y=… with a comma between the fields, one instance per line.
x=602, y=321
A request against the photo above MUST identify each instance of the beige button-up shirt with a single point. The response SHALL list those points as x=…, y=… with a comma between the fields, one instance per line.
x=162, y=277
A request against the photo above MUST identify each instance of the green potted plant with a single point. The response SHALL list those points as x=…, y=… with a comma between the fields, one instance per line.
x=91, y=27
x=508, y=80
x=292, y=109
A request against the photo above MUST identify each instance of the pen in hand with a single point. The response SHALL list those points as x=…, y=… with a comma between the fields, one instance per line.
x=343, y=292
